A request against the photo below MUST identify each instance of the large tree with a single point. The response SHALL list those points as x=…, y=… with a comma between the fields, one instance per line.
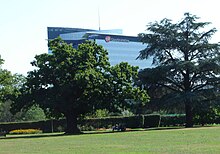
x=184, y=62
x=74, y=82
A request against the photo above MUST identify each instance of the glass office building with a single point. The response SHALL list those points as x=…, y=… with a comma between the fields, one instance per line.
x=120, y=48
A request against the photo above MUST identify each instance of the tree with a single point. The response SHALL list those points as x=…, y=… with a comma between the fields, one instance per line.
x=34, y=113
x=123, y=92
x=1, y=61
x=71, y=82
x=6, y=81
x=184, y=60
x=9, y=85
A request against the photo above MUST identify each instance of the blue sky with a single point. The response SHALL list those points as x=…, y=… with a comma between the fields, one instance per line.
x=23, y=23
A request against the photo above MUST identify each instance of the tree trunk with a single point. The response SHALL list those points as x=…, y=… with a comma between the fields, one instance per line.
x=189, y=115
x=71, y=120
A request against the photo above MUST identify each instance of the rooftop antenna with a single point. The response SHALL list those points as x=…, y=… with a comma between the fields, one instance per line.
x=99, y=19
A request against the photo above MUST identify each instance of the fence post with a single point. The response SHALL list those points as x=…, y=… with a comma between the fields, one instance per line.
x=51, y=125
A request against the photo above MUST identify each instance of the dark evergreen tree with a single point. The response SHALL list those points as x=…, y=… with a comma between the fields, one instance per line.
x=185, y=63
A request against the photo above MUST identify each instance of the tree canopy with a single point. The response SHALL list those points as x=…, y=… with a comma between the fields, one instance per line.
x=9, y=85
x=73, y=82
x=184, y=62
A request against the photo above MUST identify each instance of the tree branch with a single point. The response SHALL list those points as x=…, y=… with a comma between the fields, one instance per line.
x=171, y=88
x=199, y=86
x=175, y=84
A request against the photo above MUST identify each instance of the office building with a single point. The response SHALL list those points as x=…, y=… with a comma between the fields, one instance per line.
x=121, y=48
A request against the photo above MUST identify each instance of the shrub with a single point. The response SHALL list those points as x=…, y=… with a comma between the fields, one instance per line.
x=87, y=128
x=172, y=120
x=60, y=129
x=130, y=121
x=86, y=124
x=152, y=120
x=46, y=126
x=99, y=113
x=26, y=131
x=208, y=115
x=35, y=113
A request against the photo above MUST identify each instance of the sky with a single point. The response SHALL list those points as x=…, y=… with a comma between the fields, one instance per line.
x=23, y=23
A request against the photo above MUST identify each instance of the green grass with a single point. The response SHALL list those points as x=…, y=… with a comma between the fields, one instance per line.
x=196, y=140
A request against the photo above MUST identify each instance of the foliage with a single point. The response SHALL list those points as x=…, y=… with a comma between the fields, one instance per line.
x=9, y=85
x=152, y=120
x=144, y=121
x=99, y=113
x=172, y=120
x=123, y=91
x=46, y=125
x=74, y=82
x=26, y=131
x=206, y=113
x=186, y=65
x=35, y=113
x=127, y=113
x=86, y=124
x=108, y=122
x=1, y=61
x=5, y=114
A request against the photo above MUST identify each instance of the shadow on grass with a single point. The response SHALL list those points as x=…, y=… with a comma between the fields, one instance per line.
x=133, y=130
x=32, y=136
x=44, y=135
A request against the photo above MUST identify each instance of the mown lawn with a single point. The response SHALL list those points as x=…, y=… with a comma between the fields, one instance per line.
x=196, y=140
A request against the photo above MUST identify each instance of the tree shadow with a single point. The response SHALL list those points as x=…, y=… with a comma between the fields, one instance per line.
x=109, y=131
x=133, y=130
x=146, y=129
x=32, y=136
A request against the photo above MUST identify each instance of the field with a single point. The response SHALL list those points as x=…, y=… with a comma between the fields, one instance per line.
x=165, y=141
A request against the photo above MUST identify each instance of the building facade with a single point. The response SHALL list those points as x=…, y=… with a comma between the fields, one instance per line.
x=120, y=48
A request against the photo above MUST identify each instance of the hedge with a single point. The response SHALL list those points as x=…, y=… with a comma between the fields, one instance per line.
x=152, y=121
x=172, y=120
x=45, y=126
x=215, y=119
x=131, y=122
x=60, y=125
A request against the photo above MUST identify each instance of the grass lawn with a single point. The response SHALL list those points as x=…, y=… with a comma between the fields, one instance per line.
x=196, y=140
